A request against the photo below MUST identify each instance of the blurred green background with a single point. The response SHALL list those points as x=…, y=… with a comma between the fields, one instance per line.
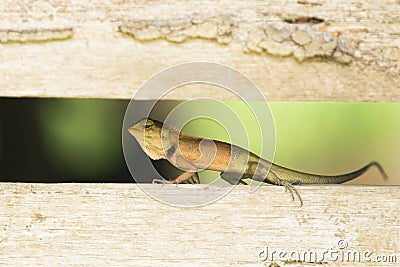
x=69, y=140
x=322, y=138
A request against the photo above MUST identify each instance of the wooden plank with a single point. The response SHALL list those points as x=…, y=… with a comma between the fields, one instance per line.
x=294, y=50
x=119, y=225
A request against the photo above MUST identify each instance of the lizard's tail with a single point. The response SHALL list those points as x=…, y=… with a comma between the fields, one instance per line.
x=306, y=178
x=380, y=168
x=350, y=176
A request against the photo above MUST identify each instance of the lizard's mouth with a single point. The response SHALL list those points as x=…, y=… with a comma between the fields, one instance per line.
x=135, y=132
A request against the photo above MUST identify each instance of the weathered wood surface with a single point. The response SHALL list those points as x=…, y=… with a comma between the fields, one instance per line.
x=107, y=49
x=119, y=225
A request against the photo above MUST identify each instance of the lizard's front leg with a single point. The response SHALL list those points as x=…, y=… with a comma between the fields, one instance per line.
x=189, y=173
x=184, y=177
x=180, y=179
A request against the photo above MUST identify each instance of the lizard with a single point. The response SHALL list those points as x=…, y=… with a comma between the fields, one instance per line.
x=160, y=141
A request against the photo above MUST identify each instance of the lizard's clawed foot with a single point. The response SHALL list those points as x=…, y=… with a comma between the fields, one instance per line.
x=186, y=176
x=195, y=178
x=183, y=178
x=160, y=181
x=289, y=187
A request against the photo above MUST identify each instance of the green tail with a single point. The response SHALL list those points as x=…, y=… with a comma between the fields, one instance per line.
x=278, y=174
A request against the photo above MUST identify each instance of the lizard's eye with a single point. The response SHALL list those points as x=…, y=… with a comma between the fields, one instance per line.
x=148, y=124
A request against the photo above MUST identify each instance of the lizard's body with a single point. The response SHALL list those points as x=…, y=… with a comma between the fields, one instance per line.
x=194, y=153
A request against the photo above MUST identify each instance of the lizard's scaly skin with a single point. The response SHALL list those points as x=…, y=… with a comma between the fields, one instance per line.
x=199, y=153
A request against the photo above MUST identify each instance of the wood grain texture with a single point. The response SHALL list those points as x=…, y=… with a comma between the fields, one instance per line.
x=112, y=47
x=119, y=225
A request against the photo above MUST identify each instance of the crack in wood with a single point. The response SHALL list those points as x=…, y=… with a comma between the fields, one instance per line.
x=34, y=35
x=299, y=20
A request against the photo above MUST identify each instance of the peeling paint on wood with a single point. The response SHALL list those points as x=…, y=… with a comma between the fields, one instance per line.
x=218, y=29
x=298, y=50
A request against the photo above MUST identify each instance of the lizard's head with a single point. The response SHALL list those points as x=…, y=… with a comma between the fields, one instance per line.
x=148, y=134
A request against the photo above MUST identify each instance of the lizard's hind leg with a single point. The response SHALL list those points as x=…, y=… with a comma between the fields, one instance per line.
x=232, y=178
x=289, y=187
